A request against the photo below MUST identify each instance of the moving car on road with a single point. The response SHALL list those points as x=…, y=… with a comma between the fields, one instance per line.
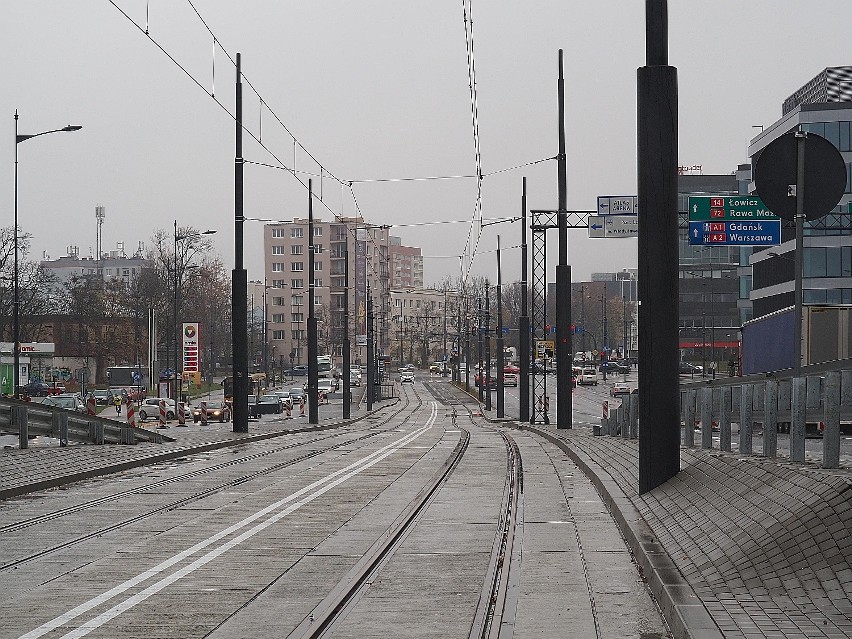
x=216, y=411
x=150, y=408
x=619, y=389
x=406, y=377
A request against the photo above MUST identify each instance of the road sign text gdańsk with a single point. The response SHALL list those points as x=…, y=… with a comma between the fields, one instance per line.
x=736, y=232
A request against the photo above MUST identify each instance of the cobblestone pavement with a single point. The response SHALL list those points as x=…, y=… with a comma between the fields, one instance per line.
x=766, y=545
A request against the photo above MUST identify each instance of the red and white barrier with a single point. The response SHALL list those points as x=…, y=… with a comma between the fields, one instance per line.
x=131, y=414
x=605, y=410
x=302, y=403
x=204, y=413
x=181, y=407
x=90, y=405
x=162, y=423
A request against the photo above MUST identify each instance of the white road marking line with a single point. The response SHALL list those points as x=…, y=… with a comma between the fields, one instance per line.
x=342, y=475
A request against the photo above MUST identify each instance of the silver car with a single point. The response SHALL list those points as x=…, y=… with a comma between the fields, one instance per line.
x=67, y=401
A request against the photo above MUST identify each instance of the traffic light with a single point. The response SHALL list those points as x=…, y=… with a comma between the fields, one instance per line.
x=572, y=329
x=547, y=328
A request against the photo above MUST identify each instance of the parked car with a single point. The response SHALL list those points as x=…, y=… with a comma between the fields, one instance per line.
x=67, y=401
x=619, y=389
x=406, y=377
x=103, y=397
x=269, y=405
x=588, y=377
x=491, y=382
x=510, y=379
x=299, y=371
x=217, y=411
x=326, y=386
x=614, y=368
x=686, y=368
x=150, y=408
x=284, y=396
x=35, y=389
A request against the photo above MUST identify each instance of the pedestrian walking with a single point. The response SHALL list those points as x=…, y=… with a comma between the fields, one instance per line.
x=116, y=400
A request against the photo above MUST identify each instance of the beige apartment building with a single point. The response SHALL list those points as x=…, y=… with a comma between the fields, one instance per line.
x=370, y=251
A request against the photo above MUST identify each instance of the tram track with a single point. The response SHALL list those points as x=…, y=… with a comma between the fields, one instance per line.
x=178, y=503
x=497, y=603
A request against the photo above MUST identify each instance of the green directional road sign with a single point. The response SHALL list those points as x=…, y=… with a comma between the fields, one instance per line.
x=728, y=207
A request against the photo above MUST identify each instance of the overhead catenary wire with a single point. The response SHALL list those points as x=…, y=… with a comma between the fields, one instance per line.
x=324, y=170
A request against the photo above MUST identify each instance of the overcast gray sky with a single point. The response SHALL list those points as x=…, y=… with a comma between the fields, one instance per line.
x=374, y=89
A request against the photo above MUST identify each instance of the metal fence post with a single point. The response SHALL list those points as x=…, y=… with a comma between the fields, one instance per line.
x=746, y=421
x=831, y=434
x=689, y=419
x=634, y=416
x=20, y=415
x=59, y=426
x=770, y=419
x=797, y=426
x=707, y=417
x=725, y=413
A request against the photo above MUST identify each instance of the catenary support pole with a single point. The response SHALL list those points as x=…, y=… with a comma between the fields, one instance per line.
x=500, y=353
x=239, y=279
x=524, y=322
x=347, y=356
x=564, y=357
x=313, y=351
x=659, y=415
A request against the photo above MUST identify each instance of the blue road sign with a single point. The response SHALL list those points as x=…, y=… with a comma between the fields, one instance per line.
x=506, y=330
x=736, y=233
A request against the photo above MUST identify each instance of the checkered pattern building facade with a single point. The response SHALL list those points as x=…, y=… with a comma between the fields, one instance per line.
x=833, y=84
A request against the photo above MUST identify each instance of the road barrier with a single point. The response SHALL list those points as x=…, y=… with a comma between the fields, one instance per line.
x=27, y=419
x=818, y=404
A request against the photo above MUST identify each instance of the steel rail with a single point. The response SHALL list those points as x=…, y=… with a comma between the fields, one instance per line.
x=349, y=589
x=185, y=500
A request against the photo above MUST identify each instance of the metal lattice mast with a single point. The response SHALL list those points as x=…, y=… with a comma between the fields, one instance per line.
x=541, y=221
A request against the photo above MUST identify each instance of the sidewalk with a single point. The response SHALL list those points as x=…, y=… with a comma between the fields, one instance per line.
x=764, y=545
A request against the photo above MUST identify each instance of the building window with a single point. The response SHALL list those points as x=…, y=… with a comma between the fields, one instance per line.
x=297, y=300
x=278, y=301
x=279, y=318
x=297, y=283
x=297, y=249
x=297, y=232
x=317, y=266
x=277, y=334
x=279, y=283
x=278, y=250
x=277, y=267
x=318, y=248
x=296, y=266
x=317, y=282
x=317, y=300
x=297, y=317
x=125, y=272
x=317, y=231
x=278, y=232
x=298, y=333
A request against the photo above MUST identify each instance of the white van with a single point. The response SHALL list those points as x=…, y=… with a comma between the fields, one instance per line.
x=588, y=376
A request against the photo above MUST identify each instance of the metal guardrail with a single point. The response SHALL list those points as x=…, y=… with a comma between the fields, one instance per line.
x=27, y=419
x=816, y=404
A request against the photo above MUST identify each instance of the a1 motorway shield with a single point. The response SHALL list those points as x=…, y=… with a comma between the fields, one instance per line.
x=736, y=233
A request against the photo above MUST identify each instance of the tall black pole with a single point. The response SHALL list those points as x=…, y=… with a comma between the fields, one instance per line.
x=175, y=393
x=659, y=401
x=16, y=302
x=347, y=356
x=466, y=343
x=500, y=353
x=564, y=399
x=457, y=367
x=524, y=323
x=482, y=374
x=239, y=279
x=313, y=394
x=370, y=354
x=487, y=332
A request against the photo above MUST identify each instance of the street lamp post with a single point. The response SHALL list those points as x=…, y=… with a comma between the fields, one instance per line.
x=179, y=238
x=16, y=304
